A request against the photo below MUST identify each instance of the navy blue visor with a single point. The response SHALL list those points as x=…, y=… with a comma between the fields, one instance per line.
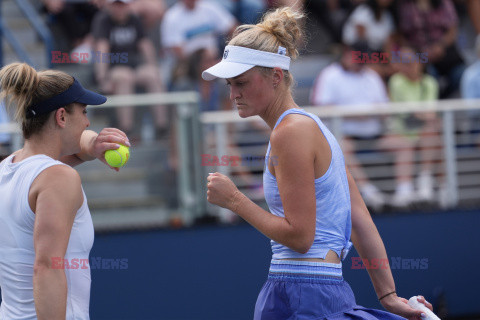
x=75, y=93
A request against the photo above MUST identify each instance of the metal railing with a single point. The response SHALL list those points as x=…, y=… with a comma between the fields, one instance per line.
x=216, y=132
x=188, y=139
x=38, y=25
x=452, y=113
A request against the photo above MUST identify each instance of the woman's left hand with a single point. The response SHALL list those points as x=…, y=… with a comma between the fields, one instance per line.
x=399, y=306
x=221, y=190
x=108, y=139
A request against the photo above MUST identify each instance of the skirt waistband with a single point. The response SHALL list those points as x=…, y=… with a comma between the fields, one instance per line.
x=306, y=270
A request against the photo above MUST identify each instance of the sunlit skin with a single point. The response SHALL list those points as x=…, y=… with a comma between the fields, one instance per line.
x=412, y=70
x=72, y=125
x=79, y=122
x=348, y=64
x=264, y=95
x=190, y=4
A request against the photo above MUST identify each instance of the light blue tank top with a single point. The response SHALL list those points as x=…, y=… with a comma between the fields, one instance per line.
x=333, y=214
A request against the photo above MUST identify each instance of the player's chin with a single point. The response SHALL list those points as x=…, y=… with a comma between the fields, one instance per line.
x=243, y=112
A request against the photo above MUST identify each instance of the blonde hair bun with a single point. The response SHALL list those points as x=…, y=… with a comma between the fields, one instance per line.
x=280, y=27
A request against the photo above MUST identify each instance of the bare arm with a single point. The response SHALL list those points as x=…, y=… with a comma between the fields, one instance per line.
x=86, y=141
x=369, y=245
x=55, y=197
x=101, y=69
x=368, y=242
x=177, y=52
x=94, y=145
x=295, y=176
x=148, y=51
x=474, y=13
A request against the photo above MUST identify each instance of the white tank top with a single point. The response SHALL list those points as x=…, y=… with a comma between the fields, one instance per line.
x=17, y=253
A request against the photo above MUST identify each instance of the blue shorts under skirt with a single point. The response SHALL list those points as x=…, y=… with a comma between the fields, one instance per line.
x=301, y=290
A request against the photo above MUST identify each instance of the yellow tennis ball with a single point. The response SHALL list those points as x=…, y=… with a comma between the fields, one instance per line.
x=117, y=158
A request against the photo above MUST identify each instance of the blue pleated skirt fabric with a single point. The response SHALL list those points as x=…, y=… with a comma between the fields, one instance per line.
x=304, y=290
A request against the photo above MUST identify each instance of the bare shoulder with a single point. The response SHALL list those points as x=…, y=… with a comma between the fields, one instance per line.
x=292, y=128
x=61, y=178
x=54, y=185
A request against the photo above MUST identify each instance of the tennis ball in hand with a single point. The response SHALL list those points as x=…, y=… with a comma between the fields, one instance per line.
x=117, y=158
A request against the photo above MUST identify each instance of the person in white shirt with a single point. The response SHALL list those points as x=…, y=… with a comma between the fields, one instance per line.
x=370, y=23
x=190, y=25
x=46, y=231
x=349, y=84
x=371, y=26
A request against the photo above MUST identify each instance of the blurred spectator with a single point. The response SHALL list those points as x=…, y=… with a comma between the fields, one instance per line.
x=331, y=14
x=410, y=83
x=296, y=4
x=470, y=89
x=190, y=25
x=131, y=61
x=248, y=11
x=348, y=84
x=473, y=8
x=370, y=24
x=4, y=137
x=470, y=83
x=430, y=26
x=371, y=27
x=245, y=11
x=214, y=95
x=150, y=11
x=75, y=19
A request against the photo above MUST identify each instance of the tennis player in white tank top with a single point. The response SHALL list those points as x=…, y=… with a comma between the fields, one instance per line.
x=44, y=216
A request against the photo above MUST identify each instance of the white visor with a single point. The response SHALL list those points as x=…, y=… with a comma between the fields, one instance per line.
x=237, y=60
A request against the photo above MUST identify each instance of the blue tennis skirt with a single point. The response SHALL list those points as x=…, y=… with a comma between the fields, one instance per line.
x=301, y=290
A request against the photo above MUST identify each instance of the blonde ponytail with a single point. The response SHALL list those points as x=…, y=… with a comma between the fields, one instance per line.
x=22, y=86
x=19, y=82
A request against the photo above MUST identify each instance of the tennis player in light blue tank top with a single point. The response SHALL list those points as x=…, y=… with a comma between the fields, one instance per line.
x=332, y=200
x=315, y=206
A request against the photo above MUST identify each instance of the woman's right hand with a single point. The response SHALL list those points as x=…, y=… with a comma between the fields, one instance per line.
x=221, y=191
x=400, y=306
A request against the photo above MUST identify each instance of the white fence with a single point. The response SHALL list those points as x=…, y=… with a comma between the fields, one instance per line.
x=459, y=132
x=225, y=133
